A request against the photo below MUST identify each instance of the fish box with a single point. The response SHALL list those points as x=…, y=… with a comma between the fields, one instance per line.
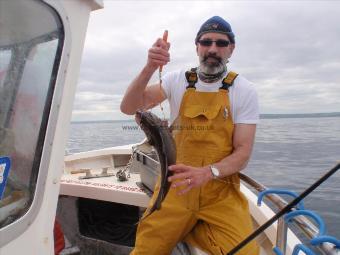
x=147, y=165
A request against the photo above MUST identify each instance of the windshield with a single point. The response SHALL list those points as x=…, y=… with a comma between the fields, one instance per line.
x=31, y=39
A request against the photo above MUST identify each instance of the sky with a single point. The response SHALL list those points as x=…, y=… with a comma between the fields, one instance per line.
x=290, y=50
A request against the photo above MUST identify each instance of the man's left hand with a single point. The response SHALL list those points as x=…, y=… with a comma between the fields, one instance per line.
x=188, y=177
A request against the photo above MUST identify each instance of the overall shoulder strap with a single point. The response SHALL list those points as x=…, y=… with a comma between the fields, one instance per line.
x=191, y=77
x=228, y=81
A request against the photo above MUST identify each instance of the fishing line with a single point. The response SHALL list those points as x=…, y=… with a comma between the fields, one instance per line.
x=165, y=39
x=286, y=209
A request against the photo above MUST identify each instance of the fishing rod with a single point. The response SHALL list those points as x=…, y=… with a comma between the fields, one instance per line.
x=284, y=210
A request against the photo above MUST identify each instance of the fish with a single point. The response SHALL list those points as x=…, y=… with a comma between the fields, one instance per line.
x=159, y=136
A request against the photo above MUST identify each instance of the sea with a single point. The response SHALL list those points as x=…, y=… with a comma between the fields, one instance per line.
x=290, y=152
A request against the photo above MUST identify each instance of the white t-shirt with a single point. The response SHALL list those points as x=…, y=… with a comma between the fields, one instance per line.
x=242, y=95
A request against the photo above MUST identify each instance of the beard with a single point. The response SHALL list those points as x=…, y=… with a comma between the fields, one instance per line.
x=211, y=64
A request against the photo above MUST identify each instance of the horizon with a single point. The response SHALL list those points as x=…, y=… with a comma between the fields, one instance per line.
x=262, y=116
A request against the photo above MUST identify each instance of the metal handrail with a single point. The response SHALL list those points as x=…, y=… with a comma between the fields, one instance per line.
x=302, y=222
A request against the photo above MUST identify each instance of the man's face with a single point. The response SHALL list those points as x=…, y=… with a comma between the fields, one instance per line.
x=213, y=58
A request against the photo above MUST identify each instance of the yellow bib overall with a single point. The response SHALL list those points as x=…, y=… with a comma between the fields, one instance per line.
x=214, y=217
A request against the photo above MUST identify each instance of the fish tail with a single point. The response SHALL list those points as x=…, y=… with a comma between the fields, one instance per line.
x=149, y=212
x=156, y=205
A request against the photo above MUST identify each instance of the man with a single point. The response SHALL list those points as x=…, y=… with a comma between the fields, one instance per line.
x=213, y=114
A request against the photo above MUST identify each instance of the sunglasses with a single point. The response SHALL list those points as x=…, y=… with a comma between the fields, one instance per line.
x=209, y=42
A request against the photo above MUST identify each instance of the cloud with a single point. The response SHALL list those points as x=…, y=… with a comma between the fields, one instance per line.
x=288, y=49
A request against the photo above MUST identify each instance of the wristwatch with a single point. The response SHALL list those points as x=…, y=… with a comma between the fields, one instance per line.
x=214, y=171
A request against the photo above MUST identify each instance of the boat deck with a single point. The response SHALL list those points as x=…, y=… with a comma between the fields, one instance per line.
x=129, y=193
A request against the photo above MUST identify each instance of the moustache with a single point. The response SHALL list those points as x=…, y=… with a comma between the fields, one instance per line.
x=205, y=58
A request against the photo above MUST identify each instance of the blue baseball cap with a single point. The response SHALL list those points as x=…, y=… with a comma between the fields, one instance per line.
x=216, y=25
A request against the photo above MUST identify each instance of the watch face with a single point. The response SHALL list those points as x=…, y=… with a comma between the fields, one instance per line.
x=215, y=171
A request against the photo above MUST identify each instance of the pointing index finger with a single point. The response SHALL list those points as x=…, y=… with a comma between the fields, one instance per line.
x=165, y=39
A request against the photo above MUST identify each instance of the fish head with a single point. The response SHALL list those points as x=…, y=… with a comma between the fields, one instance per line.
x=147, y=119
x=138, y=116
x=148, y=122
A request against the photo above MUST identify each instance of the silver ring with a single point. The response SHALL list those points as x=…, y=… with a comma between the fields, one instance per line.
x=189, y=181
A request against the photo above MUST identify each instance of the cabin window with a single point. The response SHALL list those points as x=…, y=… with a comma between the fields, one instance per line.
x=5, y=57
x=31, y=40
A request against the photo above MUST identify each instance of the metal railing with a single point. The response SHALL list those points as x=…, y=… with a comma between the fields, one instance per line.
x=302, y=223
